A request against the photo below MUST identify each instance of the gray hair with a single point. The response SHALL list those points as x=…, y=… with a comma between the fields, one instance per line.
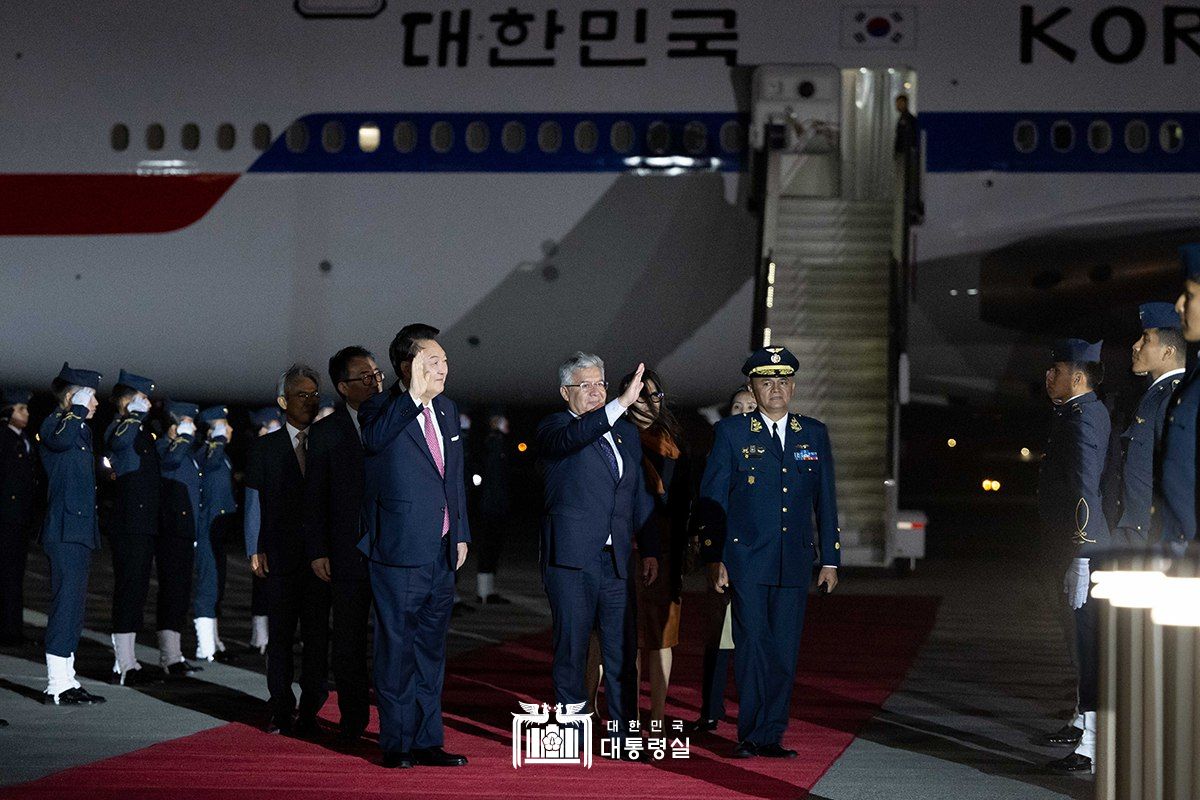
x=580, y=360
x=294, y=373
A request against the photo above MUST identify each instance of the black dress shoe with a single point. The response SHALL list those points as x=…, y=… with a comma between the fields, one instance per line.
x=393, y=759
x=73, y=697
x=775, y=751
x=461, y=608
x=437, y=757
x=307, y=727
x=12, y=641
x=279, y=726
x=181, y=669
x=494, y=600
x=133, y=677
x=1071, y=763
x=224, y=657
x=702, y=725
x=744, y=750
x=1067, y=734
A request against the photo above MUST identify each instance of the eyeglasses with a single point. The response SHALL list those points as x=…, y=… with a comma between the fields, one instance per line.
x=306, y=395
x=368, y=378
x=653, y=395
x=587, y=386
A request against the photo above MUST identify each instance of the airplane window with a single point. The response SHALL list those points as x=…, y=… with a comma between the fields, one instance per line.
x=189, y=137
x=549, y=136
x=587, y=136
x=1025, y=136
x=1099, y=136
x=119, y=136
x=368, y=137
x=512, y=137
x=478, y=136
x=621, y=137
x=658, y=138
x=695, y=137
x=733, y=137
x=441, y=136
x=1137, y=136
x=1170, y=136
x=261, y=135
x=156, y=137
x=333, y=136
x=226, y=136
x=297, y=137
x=1062, y=136
x=404, y=137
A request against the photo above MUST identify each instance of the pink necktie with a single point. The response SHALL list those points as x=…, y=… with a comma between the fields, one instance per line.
x=436, y=452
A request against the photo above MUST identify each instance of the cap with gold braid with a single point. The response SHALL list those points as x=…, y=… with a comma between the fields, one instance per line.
x=768, y=362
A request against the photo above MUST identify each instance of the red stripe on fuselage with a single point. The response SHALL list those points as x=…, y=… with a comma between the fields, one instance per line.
x=93, y=205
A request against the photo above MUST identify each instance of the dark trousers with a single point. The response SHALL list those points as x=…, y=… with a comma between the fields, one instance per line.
x=412, y=618
x=716, y=677
x=258, y=596
x=767, y=621
x=351, y=627
x=173, y=557
x=69, y=565
x=132, y=558
x=206, y=581
x=488, y=541
x=14, y=545
x=583, y=599
x=224, y=527
x=297, y=598
x=1087, y=647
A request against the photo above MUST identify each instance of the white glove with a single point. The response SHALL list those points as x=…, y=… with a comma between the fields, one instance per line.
x=82, y=396
x=1075, y=583
x=186, y=428
x=220, y=429
x=139, y=405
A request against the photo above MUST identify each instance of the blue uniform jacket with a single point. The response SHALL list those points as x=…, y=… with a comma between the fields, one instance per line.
x=404, y=498
x=216, y=481
x=757, y=503
x=180, y=499
x=1139, y=447
x=133, y=456
x=1068, y=497
x=584, y=503
x=1177, y=461
x=66, y=449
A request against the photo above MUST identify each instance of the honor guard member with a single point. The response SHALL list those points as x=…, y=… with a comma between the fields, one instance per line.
x=18, y=509
x=133, y=457
x=217, y=508
x=1072, y=518
x=769, y=476
x=175, y=553
x=265, y=420
x=1160, y=354
x=1177, y=461
x=70, y=532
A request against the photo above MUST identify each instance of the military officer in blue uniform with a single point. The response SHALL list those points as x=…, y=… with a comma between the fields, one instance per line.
x=179, y=509
x=1176, y=473
x=70, y=532
x=769, y=476
x=1071, y=513
x=217, y=508
x=133, y=457
x=18, y=509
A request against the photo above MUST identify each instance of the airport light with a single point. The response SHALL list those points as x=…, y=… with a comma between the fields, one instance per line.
x=990, y=485
x=477, y=479
x=1128, y=588
x=1177, y=602
x=1026, y=453
x=952, y=443
x=522, y=447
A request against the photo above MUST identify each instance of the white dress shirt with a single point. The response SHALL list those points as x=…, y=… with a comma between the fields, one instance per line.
x=780, y=426
x=437, y=428
x=294, y=435
x=353, y=412
x=1162, y=377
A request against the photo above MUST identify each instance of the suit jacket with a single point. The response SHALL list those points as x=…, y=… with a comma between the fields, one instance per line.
x=217, y=499
x=1139, y=447
x=272, y=470
x=133, y=454
x=1068, y=497
x=758, y=501
x=333, y=502
x=18, y=480
x=404, y=497
x=1177, y=460
x=584, y=503
x=179, y=498
x=66, y=450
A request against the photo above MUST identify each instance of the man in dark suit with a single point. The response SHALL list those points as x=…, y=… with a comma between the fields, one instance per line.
x=1176, y=469
x=332, y=528
x=18, y=508
x=596, y=501
x=768, y=479
x=275, y=469
x=416, y=534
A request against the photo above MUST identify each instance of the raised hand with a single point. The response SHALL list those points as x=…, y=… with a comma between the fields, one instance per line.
x=631, y=394
x=421, y=378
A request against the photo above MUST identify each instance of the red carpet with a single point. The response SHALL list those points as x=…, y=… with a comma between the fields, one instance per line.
x=856, y=650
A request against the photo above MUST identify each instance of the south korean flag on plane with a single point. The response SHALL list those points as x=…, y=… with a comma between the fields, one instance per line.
x=879, y=27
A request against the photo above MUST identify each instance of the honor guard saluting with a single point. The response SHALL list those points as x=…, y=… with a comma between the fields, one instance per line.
x=1160, y=353
x=71, y=532
x=179, y=509
x=18, y=506
x=217, y=507
x=1177, y=462
x=265, y=420
x=769, y=475
x=133, y=456
x=1071, y=514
